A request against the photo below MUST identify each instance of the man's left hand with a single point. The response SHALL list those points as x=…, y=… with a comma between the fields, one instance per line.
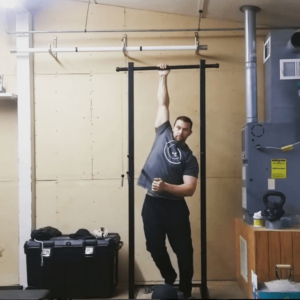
x=158, y=185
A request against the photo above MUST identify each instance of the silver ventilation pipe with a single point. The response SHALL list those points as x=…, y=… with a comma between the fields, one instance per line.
x=250, y=62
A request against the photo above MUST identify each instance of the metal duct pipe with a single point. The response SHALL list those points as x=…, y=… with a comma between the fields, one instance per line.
x=294, y=42
x=250, y=62
x=146, y=30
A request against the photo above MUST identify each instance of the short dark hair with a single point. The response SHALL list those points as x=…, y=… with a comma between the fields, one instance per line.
x=184, y=119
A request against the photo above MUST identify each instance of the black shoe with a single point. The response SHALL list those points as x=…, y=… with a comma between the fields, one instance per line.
x=188, y=296
x=180, y=294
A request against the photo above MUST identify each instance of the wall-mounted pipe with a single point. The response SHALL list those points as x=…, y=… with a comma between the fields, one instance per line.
x=109, y=49
x=250, y=62
x=146, y=30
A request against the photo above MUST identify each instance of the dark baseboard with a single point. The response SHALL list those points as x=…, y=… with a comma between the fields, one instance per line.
x=12, y=287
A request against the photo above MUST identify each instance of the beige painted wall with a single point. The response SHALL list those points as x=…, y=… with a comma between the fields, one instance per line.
x=81, y=129
x=8, y=164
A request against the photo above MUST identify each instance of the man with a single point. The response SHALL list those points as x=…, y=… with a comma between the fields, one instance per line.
x=170, y=174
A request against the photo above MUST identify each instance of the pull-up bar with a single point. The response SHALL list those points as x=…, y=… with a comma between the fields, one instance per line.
x=180, y=67
x=202, y=66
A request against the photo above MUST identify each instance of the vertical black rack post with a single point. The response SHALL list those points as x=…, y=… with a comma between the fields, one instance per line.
x=131, y=176
x=204, y=291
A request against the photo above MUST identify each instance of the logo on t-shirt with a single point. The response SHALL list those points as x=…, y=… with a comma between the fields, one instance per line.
x=172, y=153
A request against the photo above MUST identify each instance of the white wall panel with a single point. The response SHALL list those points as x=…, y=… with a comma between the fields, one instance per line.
x=223, y=205
x=7, y=60
x=9, y=274
x=63, y=127
x=8, y=140
x=107, y=125
x=47, y=204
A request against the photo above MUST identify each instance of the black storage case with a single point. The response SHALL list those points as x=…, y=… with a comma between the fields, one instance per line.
x=72, y=268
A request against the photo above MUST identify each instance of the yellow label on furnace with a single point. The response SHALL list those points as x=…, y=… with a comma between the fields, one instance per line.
x=278, y=167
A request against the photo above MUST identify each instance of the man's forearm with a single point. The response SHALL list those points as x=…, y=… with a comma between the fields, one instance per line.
x=163, y=97
x=162, y=93
x=182, y=190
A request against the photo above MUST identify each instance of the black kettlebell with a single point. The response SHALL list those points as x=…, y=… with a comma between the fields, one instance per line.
x=274, y=210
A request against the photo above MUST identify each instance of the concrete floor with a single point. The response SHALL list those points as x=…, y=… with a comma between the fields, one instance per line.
x=217, y=290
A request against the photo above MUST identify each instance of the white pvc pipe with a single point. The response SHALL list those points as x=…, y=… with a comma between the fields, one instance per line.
x=169, y=48
x=41, y=50
x=108, y=49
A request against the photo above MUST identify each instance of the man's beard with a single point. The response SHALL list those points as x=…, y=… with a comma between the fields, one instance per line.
x=179, y=140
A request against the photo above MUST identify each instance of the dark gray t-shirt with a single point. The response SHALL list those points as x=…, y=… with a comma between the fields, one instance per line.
x=168, y=160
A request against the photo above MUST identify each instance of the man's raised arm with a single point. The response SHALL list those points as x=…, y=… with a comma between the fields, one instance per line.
x=163, y=97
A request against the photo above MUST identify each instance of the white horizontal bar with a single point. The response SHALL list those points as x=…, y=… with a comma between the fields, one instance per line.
x=107, y=49
x=42, y=50
x=104, y=49
x=167, y=48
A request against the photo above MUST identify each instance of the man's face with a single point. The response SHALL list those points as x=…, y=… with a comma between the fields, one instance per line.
x=181, y=131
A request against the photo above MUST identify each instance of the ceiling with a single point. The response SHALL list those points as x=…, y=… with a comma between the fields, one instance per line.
x=274, y=13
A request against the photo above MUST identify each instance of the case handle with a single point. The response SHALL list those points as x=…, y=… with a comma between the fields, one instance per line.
x=120, y=245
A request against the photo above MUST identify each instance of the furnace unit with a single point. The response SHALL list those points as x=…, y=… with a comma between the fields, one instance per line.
x=271, y=150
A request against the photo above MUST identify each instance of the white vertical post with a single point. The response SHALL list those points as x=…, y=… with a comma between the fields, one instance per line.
x=25, y=139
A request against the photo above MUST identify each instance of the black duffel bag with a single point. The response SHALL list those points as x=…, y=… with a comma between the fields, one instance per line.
x=45, y=233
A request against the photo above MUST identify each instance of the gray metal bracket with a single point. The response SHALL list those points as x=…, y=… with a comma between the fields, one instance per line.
x=199, y=47
x=54, y=54
x=196, y=39
x=124, y=45
x=197, y=43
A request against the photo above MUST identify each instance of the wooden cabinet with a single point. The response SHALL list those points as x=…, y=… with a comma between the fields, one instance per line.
x=265, y=249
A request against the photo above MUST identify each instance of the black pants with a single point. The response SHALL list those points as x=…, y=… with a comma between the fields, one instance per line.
x=169, y=217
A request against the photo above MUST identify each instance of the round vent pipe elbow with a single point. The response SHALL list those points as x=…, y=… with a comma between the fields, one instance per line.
x=294, y=42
